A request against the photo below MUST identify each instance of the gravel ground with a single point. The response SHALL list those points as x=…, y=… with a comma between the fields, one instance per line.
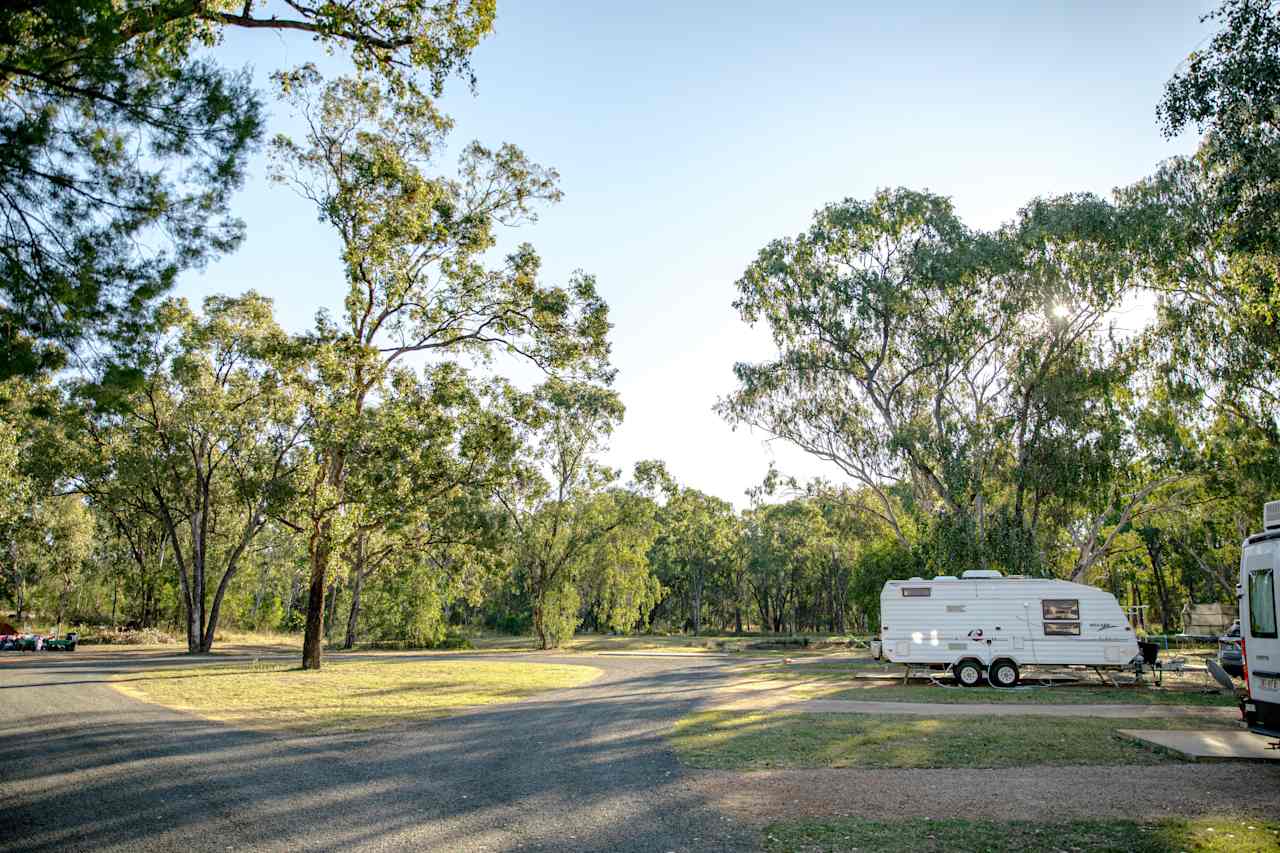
x=84, y=768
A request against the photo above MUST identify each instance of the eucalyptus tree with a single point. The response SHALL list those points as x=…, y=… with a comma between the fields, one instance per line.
x=122, y=141
x=696, y=549
x=66, y=528
x=617, y=584
x=789, y=546
x=974, y=372
x=1230, y=90
x=430, y=453
x=15, y=515
x=878, y=315
x=208, y=446
x=414, y=254
x=556, y=504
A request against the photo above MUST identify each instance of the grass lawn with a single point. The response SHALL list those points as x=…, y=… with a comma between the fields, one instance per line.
x=737, y=740
x=841, y=682
x=345, y=695
x=843, y=835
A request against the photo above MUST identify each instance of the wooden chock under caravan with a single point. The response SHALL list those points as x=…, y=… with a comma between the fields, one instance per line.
x=983, y=623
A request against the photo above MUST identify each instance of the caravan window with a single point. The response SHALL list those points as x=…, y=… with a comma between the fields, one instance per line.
x=1262, y=603
x=917, y=591
x=1061, y=617
x=1061, y=608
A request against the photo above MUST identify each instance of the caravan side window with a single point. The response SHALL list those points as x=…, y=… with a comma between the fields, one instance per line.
x=1061, y=617
x=1262, y=603
x=1060, y=608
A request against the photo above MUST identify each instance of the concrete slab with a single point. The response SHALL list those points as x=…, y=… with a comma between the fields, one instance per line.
x=1208, y=745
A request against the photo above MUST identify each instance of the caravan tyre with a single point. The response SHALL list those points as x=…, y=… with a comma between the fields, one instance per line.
x=968, y=673
x=1003, y=673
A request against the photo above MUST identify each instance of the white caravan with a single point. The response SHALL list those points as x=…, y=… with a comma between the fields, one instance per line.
x=983, y=622
x=1258, y=637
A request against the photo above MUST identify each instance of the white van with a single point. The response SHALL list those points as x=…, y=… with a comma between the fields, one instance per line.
x=985, y=623
x=1258, y=636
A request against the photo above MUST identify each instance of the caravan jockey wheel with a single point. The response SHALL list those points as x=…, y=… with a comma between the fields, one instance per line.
x=1003, y=673
x=968, y=673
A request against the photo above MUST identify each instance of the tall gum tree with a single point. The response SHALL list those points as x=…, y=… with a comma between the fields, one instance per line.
x=123, y=139
x=969, y=371
x=431, y=453
x=209, y=446
x=414, y=250
x=564, y=504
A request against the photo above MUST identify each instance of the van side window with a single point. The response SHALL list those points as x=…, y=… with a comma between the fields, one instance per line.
x=917, y=591
x=1060, y=608
x=1262, y=603
x=1061, y=617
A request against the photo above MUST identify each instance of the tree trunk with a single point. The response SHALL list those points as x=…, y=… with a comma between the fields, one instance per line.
x=1157, y=570
x=320, y=549
x=314, y=634
x=353, y=615
x=538, y=627
x=696, y=604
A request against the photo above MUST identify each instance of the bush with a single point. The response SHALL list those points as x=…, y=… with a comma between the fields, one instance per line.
x=105, y=635
x=453, y=641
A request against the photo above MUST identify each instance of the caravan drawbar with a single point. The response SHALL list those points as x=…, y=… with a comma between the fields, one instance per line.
x=983, y=623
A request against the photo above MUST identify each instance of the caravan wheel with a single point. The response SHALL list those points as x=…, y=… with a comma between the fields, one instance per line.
x=968, y=673
x=1004, y=673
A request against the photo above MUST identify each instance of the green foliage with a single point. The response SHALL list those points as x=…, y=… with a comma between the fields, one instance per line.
x=122, y=149
x=966, y=380
x=1230, y=90
x=884, y=561
x=207, y=450
x=696, y=549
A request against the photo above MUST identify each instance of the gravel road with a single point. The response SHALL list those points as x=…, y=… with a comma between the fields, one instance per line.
x=83, y=767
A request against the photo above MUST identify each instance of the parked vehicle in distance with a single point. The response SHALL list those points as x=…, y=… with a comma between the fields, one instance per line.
x=1259, y=639
x=37, y=643
x=1230, y=657
x=985, y=624
x=66, y=644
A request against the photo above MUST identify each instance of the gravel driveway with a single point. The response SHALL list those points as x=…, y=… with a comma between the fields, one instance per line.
x=84, y=768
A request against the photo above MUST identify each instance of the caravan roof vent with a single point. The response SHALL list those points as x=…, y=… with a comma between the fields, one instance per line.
x=1271, y=515
x=916, y=579
x=974, y=574
x=946, y=578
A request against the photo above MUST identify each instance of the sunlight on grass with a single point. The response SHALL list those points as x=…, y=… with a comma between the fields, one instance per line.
x=1202, y=835
x=346, y=696
x=731, y=740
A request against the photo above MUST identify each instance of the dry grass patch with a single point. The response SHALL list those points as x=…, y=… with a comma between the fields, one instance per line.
x=1201, y=835
x=346, y=695
x=732, y=740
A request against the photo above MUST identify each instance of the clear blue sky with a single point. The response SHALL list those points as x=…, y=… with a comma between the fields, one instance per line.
x=689, y=135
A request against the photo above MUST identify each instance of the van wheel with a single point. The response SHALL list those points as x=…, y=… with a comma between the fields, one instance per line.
x=968, y=673
x=1003, y=673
